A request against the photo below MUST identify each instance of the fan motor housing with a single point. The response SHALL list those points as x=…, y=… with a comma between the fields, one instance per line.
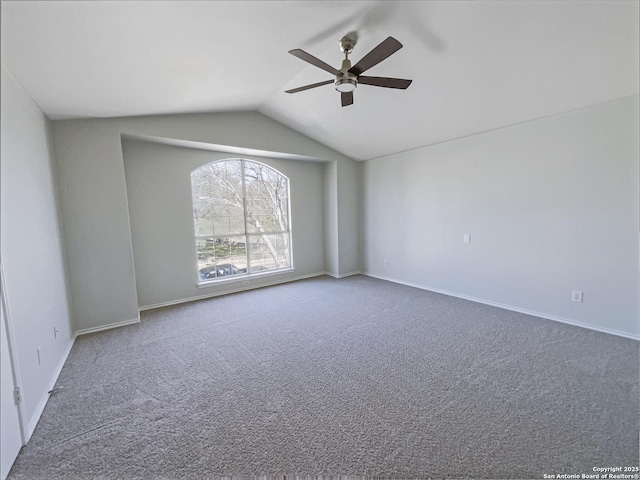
x=347, y=82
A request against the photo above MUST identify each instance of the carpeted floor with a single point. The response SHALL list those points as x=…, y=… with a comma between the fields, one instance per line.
x=356, y=376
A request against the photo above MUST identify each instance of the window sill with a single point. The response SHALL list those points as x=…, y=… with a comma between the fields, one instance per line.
x=243, y=278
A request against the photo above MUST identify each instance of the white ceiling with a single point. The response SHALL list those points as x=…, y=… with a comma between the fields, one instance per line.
x=476, y=65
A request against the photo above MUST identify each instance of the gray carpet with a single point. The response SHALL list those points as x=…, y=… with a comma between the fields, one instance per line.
x=356, y=376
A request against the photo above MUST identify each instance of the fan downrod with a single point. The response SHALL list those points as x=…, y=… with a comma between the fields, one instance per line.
x=347, y=81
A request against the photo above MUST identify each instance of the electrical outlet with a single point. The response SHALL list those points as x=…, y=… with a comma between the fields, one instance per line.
x=466, y=238
x=245, y=283
x=386, y=262
x=576, y=296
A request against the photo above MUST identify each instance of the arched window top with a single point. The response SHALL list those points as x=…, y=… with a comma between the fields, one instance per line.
x=241, y=218
x=233, y=166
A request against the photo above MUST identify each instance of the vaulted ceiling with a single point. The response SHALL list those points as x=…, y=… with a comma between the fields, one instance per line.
x=475, y=65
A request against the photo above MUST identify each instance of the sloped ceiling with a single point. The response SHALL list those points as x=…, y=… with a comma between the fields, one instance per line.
x=476, y=65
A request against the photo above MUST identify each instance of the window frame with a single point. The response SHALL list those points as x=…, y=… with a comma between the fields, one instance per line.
x=244, y=277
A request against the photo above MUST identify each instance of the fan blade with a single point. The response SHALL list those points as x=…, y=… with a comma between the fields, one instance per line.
x=347, y=98
x=387, y=48
x=302, y=55
x=307, y=87
x=385, y=82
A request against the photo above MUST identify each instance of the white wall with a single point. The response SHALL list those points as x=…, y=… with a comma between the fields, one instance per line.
x=32, y=247
x=94, y=203
x=159, y=196
x=10, y=429
x=551, y=206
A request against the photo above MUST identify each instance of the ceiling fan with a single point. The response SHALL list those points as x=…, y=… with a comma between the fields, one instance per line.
x=348, y=77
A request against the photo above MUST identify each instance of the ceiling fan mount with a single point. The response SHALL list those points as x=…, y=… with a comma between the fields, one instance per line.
x=348, y=77
x=347, y=43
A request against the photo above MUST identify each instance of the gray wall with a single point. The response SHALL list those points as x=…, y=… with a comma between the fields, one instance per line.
x=349, y=202
x=551, y=206
x=159, y=195
x=94, y=200
x=331, y=217
x=31, y=247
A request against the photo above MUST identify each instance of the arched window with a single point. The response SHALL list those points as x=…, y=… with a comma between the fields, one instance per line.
x=241, y=219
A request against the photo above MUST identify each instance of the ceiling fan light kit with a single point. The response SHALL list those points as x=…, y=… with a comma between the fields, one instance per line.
x=346, y=84
x=348, y=77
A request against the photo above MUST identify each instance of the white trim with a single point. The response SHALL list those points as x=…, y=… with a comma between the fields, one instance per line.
x=226, y=292
x=343, y=275
x=13, y=355
x=244, y=278
x=45, y=397
x=85, y=331
x=510, y=307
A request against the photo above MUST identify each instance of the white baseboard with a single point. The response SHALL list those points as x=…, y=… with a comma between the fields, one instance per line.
x=35, y=418
x=227, y=292
x=510, y=307
x=85, y=331
x=342, y=275
x=31, y=426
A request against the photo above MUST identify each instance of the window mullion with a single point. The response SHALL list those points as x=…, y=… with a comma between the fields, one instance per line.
x=244, y=216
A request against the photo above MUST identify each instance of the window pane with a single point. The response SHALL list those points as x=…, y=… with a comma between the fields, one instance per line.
x=221, y=225
x=236, y=224
x=228, y=218
x=221, y=257
x=267, y=214
x=206, y=252
x=218, y=179
x=256, y=205
x=269, y=252
x=202, y=217
x=266, y=223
